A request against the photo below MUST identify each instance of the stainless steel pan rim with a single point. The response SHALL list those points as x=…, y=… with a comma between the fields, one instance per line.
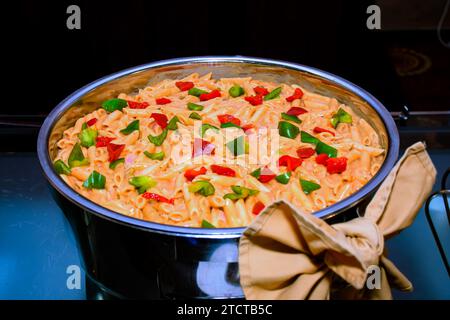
x=73, y=196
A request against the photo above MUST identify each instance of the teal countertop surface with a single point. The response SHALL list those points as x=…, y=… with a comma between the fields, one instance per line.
x=37, y=245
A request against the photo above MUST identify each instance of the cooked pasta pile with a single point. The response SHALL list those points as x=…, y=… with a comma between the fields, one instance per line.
x=200, y=152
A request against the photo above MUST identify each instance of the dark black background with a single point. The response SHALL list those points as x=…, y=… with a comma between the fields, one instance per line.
x=54, y=61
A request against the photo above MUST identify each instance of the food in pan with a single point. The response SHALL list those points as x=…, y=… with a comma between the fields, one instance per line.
x=200, y=152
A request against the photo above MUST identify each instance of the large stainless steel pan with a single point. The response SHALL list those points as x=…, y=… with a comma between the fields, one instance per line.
x=128, y=257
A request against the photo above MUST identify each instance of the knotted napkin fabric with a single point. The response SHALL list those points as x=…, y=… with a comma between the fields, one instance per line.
x=289, y=254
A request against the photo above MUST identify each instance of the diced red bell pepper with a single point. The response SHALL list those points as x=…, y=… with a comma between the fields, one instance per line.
x=114, y=151
x=202, y=147
x=322, y=159
x=162, y=101
x=91, y=122
x=103, y=141
x=259, y=90
x=296, y=111
x=320, y=130
x=305, y=153
x=254, y=100
x=336, y=165
x=211, y=95
x=157, y=197
x=223, y=171
x=290, y=162
x=258, y=207
x=190, y=174
x=266, y=175
x=137, y=105
x=298, y=94
x=224, y=118
x=160, y=119
x=184, y=85
x=247, y=127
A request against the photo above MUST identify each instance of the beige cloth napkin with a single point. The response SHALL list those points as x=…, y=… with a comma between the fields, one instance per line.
x=287, y=254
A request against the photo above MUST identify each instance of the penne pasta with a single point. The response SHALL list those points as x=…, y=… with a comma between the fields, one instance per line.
x=200, y=152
